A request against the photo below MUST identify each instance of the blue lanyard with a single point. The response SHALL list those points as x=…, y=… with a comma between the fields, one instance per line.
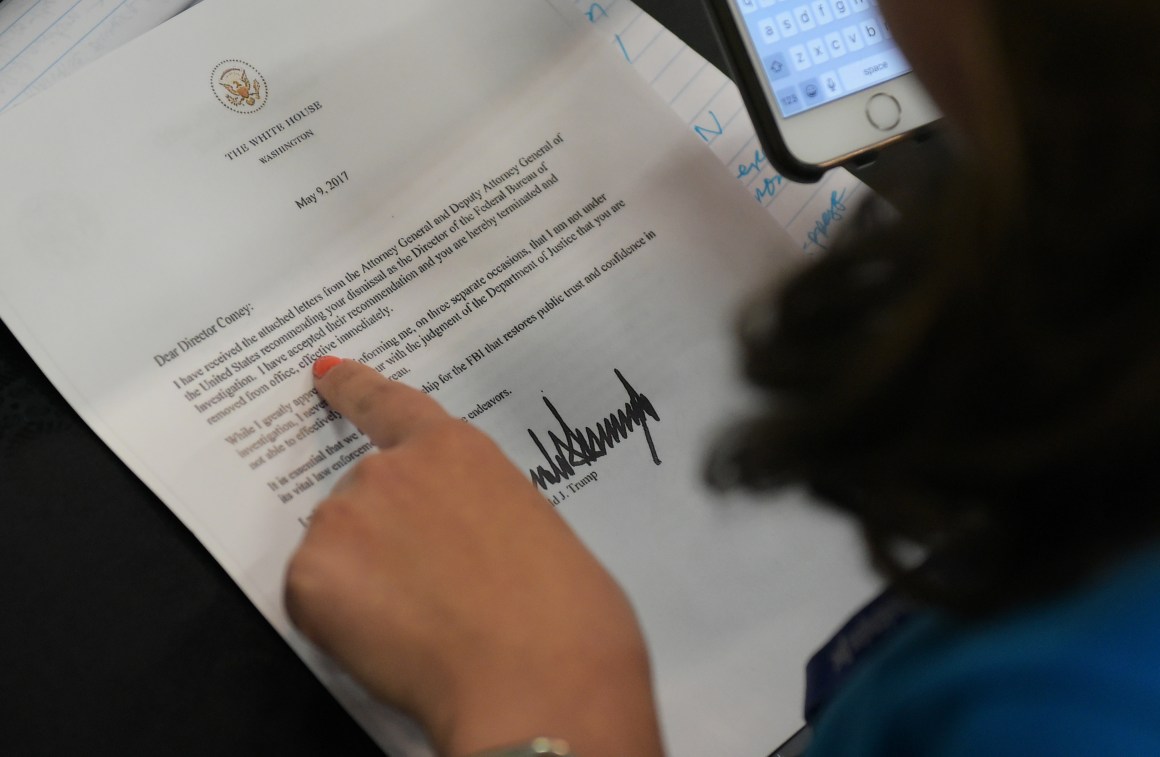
x=831, y=666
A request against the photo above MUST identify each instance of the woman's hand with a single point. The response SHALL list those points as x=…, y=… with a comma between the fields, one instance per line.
x=442, y=580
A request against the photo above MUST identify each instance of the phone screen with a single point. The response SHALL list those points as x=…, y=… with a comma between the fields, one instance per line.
x=817, y=51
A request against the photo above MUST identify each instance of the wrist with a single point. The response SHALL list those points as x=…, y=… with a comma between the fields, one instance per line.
x=600, y=710
x=537, y=747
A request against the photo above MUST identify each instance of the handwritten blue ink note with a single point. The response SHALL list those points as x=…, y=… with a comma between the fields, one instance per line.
x=753, y=166
x=823, y=227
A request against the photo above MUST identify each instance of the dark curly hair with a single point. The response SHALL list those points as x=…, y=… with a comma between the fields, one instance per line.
x=982, y=378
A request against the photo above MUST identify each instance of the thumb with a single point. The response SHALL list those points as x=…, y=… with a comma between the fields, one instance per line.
x=386, y=411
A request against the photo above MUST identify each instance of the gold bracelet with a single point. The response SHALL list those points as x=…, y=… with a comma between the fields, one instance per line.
x=539, y=747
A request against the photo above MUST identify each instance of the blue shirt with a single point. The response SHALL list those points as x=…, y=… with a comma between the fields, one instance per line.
x=1076, y=676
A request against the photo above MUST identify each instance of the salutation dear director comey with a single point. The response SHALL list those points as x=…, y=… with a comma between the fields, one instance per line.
x=188, y=343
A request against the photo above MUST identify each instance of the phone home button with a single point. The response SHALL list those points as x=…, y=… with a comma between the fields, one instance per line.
x=883, y=112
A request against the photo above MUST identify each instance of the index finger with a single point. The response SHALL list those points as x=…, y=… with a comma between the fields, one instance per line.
x=386, y=411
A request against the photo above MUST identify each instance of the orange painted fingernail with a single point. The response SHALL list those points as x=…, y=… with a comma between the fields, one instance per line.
x=323, y=365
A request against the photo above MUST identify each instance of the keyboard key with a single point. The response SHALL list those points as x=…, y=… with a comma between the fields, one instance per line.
x=785, y=22
x=767, y=31
x=822, y=12
x=853, y=38
x=835, y=45
x=869, y=71
x=831, y=86
x=817, y=50
x=804, y=17
x=812, y=92
x=872, y=32
x=776, y=66
x=789, y=100
x=799, y=57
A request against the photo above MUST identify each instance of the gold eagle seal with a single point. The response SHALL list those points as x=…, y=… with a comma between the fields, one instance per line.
x=239, y=86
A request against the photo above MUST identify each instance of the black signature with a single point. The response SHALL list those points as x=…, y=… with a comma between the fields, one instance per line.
x=585, y=446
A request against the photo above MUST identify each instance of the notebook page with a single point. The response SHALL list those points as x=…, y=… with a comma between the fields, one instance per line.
x=709, y=102
x=42, y=41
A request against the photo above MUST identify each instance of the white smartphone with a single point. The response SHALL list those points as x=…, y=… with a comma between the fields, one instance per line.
x=823, y=80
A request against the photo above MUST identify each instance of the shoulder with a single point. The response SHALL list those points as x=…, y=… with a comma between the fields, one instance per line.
x=1079, y=675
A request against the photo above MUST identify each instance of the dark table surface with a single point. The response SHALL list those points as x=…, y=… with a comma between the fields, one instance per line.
x=119, y=633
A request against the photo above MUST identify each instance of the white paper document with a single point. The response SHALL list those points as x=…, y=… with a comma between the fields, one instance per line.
x=42, y=41
x=476, y=199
